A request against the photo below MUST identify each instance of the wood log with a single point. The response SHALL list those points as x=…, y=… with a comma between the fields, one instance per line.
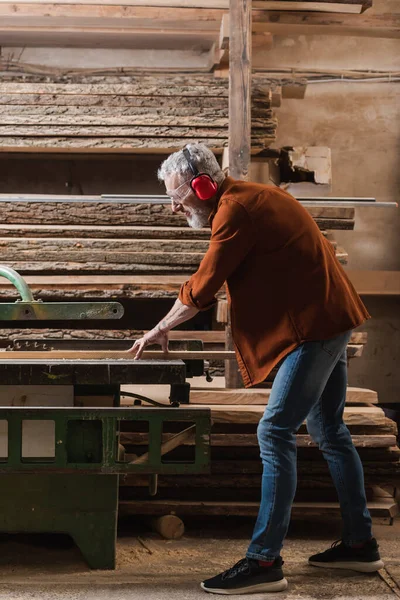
x=170, y=527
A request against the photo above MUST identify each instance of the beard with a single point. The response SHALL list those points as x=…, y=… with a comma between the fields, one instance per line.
x=198, y=218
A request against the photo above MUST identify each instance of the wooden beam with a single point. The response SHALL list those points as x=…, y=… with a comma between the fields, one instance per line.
x=385, y=507
x=248, y=440
x=94, y=7
x=375, y=283
x=240, y=28
x=57, y=355
x=240, y=23
x=260, y=397
x=353, y=415
x=385, y=25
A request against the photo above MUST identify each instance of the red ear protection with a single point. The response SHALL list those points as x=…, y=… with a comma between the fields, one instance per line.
x=202, y=184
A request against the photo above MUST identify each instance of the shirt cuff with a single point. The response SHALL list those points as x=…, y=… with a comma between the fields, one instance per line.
x=187, y=298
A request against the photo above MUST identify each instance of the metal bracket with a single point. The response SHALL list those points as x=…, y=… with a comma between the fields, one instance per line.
x=29, y=309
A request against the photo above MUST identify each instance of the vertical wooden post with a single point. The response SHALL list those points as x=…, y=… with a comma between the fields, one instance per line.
x=240, y=27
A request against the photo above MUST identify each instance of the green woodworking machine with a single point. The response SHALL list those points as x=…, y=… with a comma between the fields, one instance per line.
x=60, y=421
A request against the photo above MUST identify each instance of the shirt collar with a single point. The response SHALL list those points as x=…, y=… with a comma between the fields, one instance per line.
x=227, y=182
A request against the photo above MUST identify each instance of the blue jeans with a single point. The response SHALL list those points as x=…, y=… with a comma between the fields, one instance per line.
x=310, y=384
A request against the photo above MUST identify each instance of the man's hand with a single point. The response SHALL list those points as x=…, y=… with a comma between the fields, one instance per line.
x=155, y=336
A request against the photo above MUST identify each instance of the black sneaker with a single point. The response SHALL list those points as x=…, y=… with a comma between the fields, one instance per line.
x=340, y=556
x=247, y=577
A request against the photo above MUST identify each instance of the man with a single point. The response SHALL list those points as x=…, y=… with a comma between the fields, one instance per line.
x=289, y=299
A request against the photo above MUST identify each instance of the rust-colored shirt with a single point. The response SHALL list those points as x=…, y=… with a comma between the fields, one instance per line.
x=284, y=282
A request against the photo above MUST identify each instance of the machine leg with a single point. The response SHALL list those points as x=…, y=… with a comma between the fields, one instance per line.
x=83, y=506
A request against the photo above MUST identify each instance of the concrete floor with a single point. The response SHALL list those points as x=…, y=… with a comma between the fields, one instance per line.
x=149, y=568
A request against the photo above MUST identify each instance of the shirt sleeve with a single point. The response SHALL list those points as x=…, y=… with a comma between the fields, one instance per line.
x=231, y=239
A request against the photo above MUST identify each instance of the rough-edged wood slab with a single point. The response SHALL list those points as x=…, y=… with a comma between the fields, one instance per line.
x=110, y=232
x=93, y=247
x=116, y=101
x=143, y=86
x=138, y=123
x=123, y=214
x=129, y=131
x=119, y=145
x=45, y=267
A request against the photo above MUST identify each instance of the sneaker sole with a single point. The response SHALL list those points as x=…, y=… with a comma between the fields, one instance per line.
x=273, y=586
x=362, y=567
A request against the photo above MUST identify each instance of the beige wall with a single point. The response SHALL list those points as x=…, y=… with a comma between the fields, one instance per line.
x=360, y=122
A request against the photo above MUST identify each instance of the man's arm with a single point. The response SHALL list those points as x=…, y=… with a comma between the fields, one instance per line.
x=178, y=314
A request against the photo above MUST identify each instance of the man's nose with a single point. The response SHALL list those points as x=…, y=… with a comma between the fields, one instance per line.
x=176, y=205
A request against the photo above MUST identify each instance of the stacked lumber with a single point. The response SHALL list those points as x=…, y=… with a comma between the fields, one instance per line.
x=128, y=114
x=233, y=486
x=67, y=236
x=329, y=6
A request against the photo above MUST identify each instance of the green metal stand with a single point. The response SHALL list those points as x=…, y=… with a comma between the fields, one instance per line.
x=85, y=507
x=76, y=491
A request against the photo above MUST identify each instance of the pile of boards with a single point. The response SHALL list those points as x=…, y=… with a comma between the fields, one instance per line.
x=126, y=114
x=86, y=237
x=233, y=487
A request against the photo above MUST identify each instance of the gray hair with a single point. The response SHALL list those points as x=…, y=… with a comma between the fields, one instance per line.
x=203, y=158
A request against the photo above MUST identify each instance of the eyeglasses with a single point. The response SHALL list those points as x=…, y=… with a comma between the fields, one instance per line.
x=176, y=195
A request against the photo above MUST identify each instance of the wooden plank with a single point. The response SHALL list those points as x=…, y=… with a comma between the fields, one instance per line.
x=196, y=8
x=127, y=131
x=96, y=267
x=280, y=22
x=382, y=508
x=171, y=443
x=113, y=232
x=354, y=415
x=88, y=204
x=375, y=283
x=115, y=355
x=162, y=259
x=207, y=86
x=95, y=246
x=120, y=145
x=151, y=121
x=260, y=397
x=117, y=102
x=244, y=440
x=385, y=25
x=341, y=6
